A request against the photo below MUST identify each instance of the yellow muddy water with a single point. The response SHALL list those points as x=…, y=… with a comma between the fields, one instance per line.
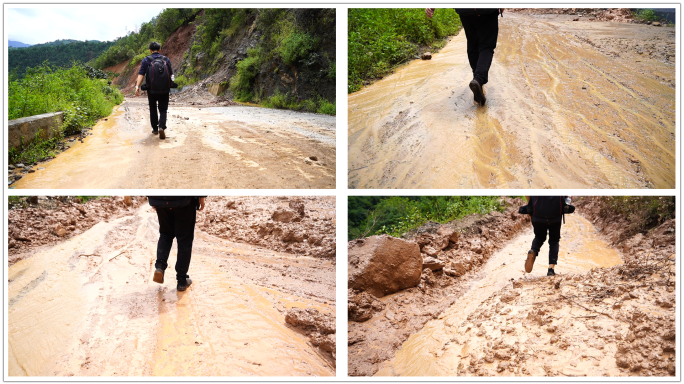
x=205, y=147
x=425, y=353
x=559, y=114
x=89, y=307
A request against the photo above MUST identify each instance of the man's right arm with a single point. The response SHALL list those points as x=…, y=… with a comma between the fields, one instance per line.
x=141, y=73
x=429, y=12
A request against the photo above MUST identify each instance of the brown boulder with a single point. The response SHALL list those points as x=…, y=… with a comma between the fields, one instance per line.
x=383, y=264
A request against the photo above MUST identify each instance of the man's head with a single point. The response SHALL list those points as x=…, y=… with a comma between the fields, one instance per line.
x=154, y=46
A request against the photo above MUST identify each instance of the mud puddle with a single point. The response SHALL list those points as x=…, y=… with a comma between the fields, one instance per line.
x=443, y=347
x=563, y=112
x=216, y=147
x=89, y=307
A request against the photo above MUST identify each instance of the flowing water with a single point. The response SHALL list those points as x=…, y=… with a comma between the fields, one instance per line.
x=89, y=307
x=559, y=114
x=439, y=348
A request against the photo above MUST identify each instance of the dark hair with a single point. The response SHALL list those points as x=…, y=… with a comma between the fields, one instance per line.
x=154, y=46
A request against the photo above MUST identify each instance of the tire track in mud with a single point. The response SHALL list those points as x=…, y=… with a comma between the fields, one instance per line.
x=205, y=147
x=535, y=326
x=559, y=114
x=88, y=307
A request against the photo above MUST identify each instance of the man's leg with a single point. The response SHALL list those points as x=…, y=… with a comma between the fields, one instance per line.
x=166, y=235
x=487, y=32
x=554, y=243
x=185, y=233
x=539, y=236
x=470, y=27
x=163, y=107
x=154, y=120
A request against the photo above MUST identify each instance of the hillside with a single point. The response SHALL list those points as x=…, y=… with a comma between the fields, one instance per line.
x=283, y=58
x=61, y=53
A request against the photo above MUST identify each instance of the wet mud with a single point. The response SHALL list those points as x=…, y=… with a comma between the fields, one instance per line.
x=609, y=311
x=205, y=147
x=569, y=105
x=88, y=307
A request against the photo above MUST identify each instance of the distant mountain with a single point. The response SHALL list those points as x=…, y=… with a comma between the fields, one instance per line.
x=61, y=53
x=64, y=42
x=17, y=44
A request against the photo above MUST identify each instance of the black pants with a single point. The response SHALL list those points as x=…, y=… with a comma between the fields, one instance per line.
x=481, y=33
x=176, y=223
x=540, y=230
x=160, y=101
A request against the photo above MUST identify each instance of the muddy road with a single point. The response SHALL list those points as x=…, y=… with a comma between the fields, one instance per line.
x=205, y=147
x=569, y=105
x=88, y=307
x=578, y=323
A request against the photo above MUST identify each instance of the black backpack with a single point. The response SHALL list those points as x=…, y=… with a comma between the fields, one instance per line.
x=158, y=78
x=170, y=201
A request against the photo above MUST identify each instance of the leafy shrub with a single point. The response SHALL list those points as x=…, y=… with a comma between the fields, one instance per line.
x=643, y=212
x=296, y=46
x=381, y=38
x=326, y=107
x=247, y=69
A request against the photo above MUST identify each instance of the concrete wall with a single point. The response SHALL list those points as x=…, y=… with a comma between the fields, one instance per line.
x=25, y=129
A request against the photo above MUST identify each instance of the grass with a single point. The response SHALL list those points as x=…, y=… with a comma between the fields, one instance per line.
x=81, y=94
x=643, y=212
x=397, y=215
x=284, y=101
x=382, y=38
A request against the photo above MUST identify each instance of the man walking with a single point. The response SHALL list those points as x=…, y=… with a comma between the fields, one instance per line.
x=547, y=215
x=158, y=72
x=481, y=26
x=177, y=216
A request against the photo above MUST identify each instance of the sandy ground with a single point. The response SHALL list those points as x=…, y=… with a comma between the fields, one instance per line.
x=88, y=306
x=205, y=147
x=570, y=104
x=610, y=311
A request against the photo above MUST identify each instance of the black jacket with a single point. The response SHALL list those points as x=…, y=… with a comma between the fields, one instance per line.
x=547, y=209
x=476, y=11
x=173, y=201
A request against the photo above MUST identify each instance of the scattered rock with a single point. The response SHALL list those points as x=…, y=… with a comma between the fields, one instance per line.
x=283, y=215
x=426, y=56
x=432, y=263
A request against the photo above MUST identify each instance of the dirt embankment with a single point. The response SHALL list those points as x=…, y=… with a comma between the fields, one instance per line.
x=54, y=219
x=621, y=15
x=300, y=225
x=455, y=251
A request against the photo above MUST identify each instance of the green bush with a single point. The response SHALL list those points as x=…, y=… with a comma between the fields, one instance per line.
x=382, y=38
x=247, y=69
x=296, y=46
x=643, y=212
x=326, y=107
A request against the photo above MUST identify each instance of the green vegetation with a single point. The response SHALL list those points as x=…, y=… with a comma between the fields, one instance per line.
x=60, y=53
x=643, y=212
x=136, y=43
x=85, y=199
x=374, y=215
x=382, y=38
x=649, y=15
x=285, y=101
x=81, y=92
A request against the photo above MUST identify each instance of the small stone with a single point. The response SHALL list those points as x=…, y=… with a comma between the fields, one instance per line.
x=656, y=24
x=31, y=171
x=313, y=158
x=20, y=165
x=10, y=166
x=426, y=56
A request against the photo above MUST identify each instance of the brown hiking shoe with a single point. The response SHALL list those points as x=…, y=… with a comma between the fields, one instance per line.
x=158, y=276
x=529, y=263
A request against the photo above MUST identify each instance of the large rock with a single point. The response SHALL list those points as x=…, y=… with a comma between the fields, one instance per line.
x=383, y=264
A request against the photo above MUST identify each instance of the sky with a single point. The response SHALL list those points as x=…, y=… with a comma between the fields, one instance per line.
x=102, y=22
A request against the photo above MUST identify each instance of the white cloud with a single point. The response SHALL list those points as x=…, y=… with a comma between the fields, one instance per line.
x=36, y=25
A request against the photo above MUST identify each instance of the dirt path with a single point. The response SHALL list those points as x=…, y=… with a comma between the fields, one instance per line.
x=89, y=307
x=205, y=147
x=570, y=105
x=537, y=326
